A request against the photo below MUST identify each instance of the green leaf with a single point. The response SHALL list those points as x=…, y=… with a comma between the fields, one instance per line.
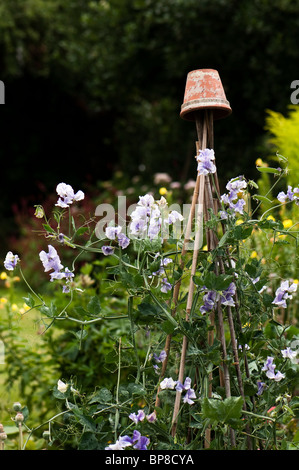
x=88, y=441
x=217, y=282
x=241, y=232
x=168, y=327
x=222, y=411
x=262, y=198
x=29, y=300
x=94, y=306
x=103, y=395
x=48, y=228
x=82, y=230
x=147, y=312
x=267, y=169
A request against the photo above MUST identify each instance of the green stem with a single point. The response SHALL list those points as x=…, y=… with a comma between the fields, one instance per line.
x=130, y=315
x=117, y=391
x=29, y=287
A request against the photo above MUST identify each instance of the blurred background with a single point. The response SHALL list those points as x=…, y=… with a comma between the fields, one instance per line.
x=93, y=91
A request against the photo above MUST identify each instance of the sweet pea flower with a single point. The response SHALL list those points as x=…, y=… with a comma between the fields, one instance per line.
x=107, y=250
x=260, y=387
x=168, y=383
x=141, y=442
x=120, y=444
x=165, y=285
x=137, y=417
x=112, y=232
x=269, y=367
x=234, y=198
x=51, y=259
x=205, y=160
x=151, y=418
x=123, y=240
x=290, y=195
x=188, y=397
x=61, y=386
x=288, y=353
x=67, y=195
x=11, y=261
x=284, y=292
x=162, y=356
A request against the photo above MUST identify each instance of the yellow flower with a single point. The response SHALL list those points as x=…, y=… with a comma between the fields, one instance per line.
x=162, y=191
x=253, y=254
x=270, y=217
x=14, y=307
x=287, y=223
x=205, y=248
x=3, y=300
x=259, y=162
x=3, y=275
x=296, y=281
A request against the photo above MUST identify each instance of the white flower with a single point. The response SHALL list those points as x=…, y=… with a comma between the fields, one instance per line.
x=168, y=383
x=67, y=195
x=61, y=386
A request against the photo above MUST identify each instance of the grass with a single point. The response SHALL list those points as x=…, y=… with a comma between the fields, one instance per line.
x=22, y=329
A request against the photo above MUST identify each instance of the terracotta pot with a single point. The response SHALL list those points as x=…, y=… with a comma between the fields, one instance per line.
x=204, y=90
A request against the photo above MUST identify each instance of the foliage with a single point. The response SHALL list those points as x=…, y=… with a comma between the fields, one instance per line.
x=283, y=135
x=120, y=386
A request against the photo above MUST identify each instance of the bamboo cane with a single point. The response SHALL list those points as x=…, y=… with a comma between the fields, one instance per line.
x=186, y=242
x=197, y=241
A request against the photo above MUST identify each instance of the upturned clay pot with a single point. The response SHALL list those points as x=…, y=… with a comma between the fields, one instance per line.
x=204, y=90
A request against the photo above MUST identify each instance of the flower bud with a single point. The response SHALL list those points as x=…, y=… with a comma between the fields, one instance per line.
x=3, y=436
x=17, y=406
x=19, y=418
x=46, y=435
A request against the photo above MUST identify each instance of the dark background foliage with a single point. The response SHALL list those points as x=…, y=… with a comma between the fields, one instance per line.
x=96, y=86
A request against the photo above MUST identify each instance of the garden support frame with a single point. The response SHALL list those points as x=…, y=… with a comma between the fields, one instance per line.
x=204, y=102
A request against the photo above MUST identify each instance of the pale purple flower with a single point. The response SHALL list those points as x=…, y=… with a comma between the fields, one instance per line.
x=226, y=297
x=120, y=444
x=141, y=441
x=277, y=377
x=260, y=387
x=151, y=418
x=268, y=365
x=147, y=200
x=209, y=299
x=174, y=216
x=67, y=195
x=165, y=286
x=137, y=417
x=205, y=160
x=234, y=197
x=188, y=397
x=183, y=387
x=186, y=387
x=123, y=240
x=112, y=232
x=269, y=368
x=290, y=195
x=50, y=260
x=284, y=292
x=11, y=261
x=66, y=274
x=107, y=250
x=288, y=353
x=168, y=383
x=162, y=356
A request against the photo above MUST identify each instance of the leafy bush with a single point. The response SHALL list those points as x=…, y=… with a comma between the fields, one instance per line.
x=166, y=343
